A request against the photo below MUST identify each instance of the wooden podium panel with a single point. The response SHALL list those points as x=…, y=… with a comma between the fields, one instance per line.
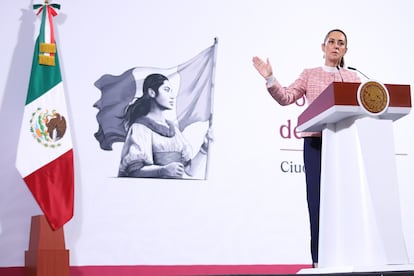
x=47, y=255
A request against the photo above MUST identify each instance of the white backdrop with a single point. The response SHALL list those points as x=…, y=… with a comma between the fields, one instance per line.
x=249, y=211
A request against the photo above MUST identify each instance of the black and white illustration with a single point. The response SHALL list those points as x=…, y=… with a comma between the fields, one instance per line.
x=148, y=109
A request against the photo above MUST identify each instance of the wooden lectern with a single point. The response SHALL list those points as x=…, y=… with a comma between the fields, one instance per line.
x=360, y=217
x=47, y=254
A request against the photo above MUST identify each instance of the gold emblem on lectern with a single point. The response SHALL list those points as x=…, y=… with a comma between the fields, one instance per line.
x=373, y=97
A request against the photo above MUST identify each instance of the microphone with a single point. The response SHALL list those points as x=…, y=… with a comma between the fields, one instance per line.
x=339, y=71
x=352, y=68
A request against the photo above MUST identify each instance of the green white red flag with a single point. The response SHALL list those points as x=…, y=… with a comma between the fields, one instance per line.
x=45, y=151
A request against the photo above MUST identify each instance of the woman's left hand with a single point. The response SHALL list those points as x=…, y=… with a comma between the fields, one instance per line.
x=209, y=135
x=208, y=138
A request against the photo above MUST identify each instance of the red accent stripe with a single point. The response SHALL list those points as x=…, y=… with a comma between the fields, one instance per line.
x=50, y=13
x=40, y=10
x=52, y=186
x=169, y=270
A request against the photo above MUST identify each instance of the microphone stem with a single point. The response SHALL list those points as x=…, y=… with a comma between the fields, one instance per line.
x=363, y=74
x=352, y=68
x=339, y=71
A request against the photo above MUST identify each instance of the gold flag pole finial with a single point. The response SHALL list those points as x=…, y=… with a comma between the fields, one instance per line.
x=46, y=2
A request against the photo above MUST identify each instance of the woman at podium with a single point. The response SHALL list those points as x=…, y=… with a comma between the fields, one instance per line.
x=310, y=83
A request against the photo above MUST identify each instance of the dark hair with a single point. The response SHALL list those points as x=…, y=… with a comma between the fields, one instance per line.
x=342, y=62
x=142, y=105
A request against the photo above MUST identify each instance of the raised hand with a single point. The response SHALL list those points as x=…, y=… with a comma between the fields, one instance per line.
x=263, y=67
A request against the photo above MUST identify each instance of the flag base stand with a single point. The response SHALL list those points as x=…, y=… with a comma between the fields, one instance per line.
x=47, y=254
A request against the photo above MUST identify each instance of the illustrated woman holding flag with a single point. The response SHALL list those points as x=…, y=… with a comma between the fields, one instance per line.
x=154, y=146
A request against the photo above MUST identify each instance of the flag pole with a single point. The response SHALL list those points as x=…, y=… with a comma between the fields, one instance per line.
x=213, y=80
x=210, y=120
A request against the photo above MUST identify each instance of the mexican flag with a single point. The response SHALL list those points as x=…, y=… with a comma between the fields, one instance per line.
x=45, y=151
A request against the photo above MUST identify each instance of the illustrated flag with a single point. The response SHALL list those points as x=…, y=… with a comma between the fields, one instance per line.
x=45, y=151
x=194, y=81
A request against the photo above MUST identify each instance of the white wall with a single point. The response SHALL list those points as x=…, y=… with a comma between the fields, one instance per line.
x=248, y=211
